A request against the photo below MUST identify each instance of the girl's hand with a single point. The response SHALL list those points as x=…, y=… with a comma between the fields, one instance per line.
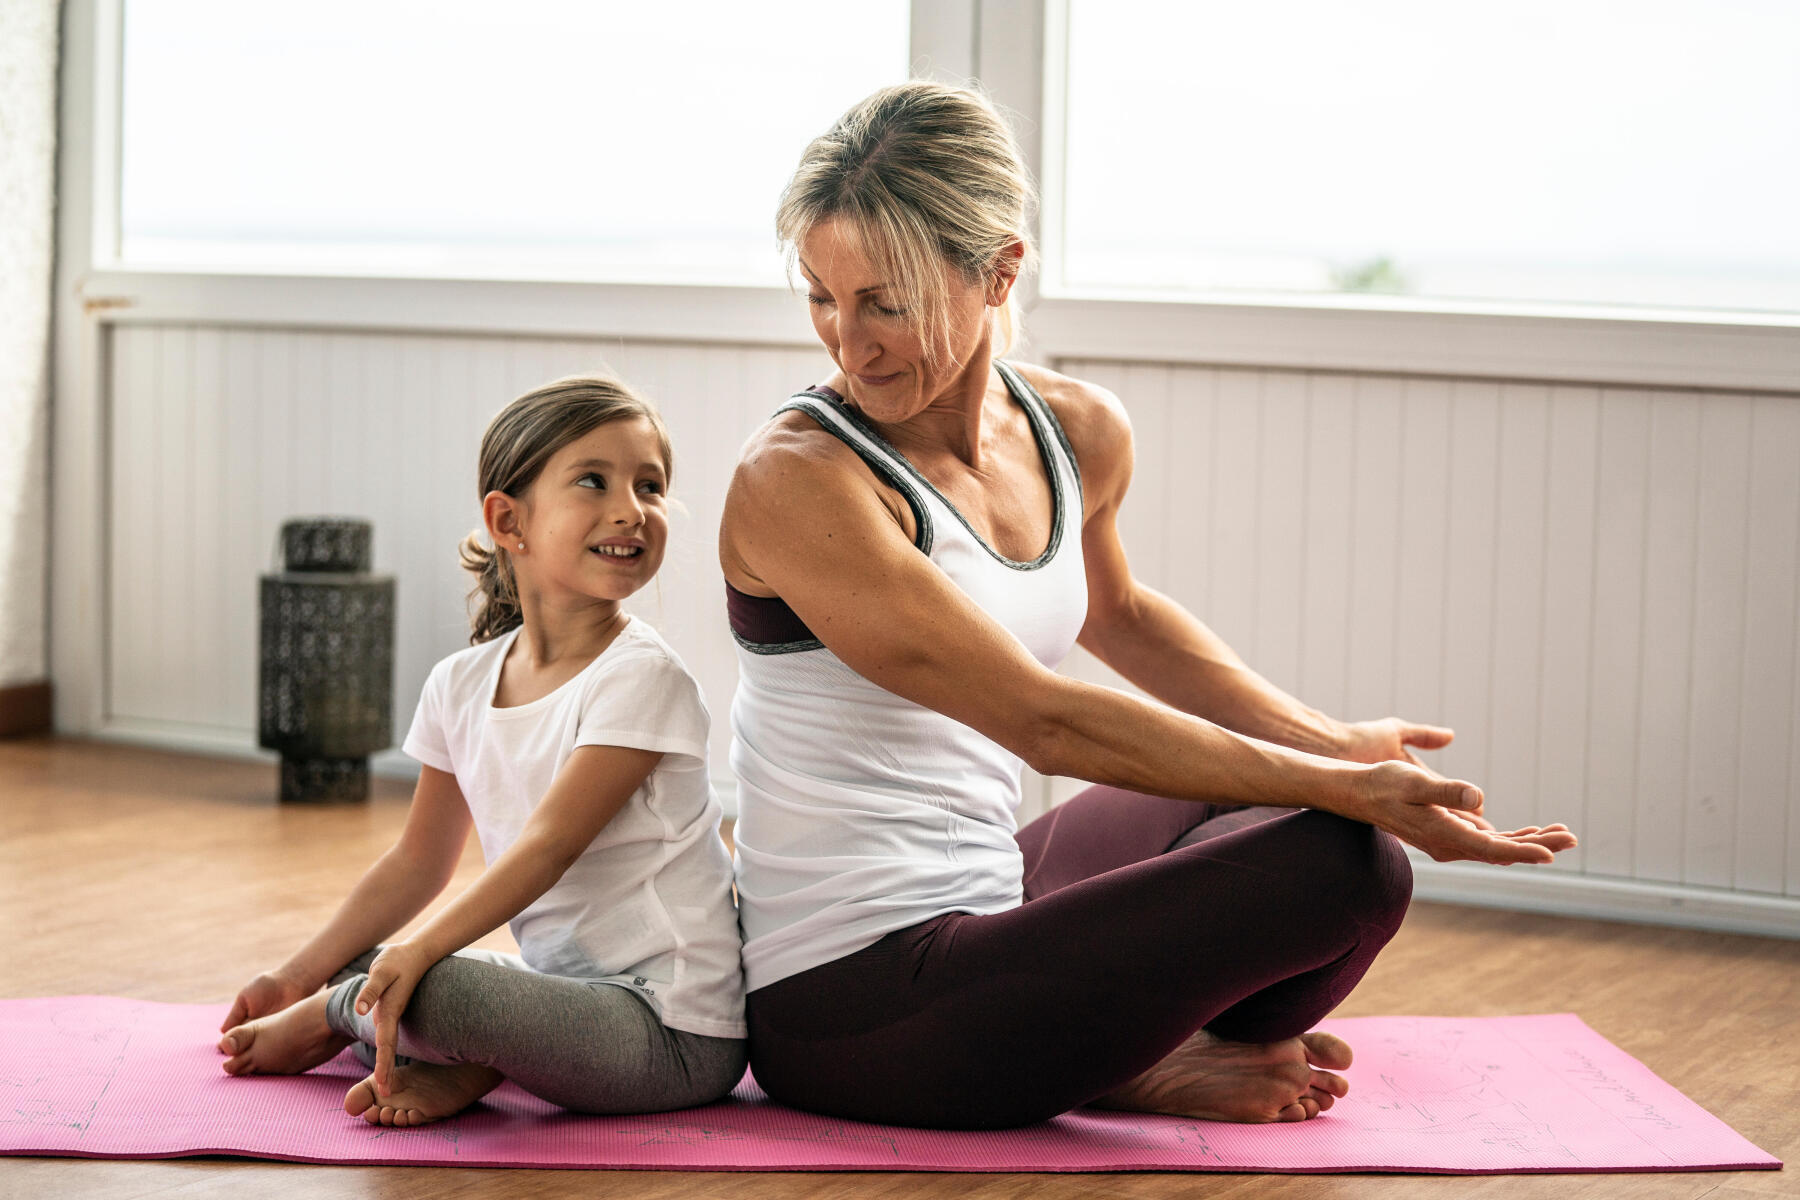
x=1443, y=818
x=393, y=975
x=268, y=993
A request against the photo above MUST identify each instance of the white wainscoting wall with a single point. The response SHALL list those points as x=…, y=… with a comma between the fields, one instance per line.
x=1599, y=588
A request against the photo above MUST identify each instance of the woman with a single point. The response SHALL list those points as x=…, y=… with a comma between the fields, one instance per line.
x=909, y=550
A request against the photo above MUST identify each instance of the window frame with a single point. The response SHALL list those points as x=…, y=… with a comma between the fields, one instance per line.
x=1404, y=335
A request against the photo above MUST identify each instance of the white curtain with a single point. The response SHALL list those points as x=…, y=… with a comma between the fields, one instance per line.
x=28, y=55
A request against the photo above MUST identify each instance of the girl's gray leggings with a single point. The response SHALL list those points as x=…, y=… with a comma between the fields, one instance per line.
x=588, y=1046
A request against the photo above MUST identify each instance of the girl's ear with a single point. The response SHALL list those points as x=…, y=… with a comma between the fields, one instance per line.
x=504, y=517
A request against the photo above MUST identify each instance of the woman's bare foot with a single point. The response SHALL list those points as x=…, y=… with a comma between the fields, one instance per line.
x=422, y=1092
x=293, y=1040
x=1215, y=1080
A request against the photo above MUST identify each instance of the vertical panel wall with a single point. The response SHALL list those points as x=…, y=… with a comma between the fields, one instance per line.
x=1599, y=589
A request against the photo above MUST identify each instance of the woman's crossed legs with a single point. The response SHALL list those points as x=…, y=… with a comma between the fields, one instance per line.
x=1157, y=938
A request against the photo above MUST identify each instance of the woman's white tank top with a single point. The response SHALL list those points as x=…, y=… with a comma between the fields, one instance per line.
x=860, y=813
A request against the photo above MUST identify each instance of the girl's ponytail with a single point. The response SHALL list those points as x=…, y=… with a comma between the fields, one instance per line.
x=494, y=600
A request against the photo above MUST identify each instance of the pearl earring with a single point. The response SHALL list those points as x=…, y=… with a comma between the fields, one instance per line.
x=521, y=545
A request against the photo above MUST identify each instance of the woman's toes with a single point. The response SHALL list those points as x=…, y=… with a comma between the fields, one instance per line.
x=1303, y=1109
x=1326, y=1050
x=1330, y=1083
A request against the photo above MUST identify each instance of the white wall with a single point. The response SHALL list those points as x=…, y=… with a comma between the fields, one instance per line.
x=1599, y=588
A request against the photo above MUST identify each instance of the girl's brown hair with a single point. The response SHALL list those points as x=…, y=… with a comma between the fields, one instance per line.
x=517, y=444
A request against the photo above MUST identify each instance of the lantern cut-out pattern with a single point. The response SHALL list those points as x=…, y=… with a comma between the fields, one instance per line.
x=327, y=671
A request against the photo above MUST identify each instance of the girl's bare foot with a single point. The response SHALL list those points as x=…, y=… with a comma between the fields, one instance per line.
x=1212, y=1079
x=293, y=1040
x=422, y=1092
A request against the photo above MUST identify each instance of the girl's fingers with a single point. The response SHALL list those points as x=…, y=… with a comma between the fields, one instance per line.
x=384, y=1053
x=372, y=990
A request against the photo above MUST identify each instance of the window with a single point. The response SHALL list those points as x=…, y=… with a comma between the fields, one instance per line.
x=1545, y=150
x=559, y=139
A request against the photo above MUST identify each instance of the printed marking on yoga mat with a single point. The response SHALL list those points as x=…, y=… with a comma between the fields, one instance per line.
x=686, y=1135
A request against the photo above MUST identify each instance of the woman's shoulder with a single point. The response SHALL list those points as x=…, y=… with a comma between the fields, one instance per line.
x=1077, y=404
x=1092, y=418
x=793, y=440
x=793, y=464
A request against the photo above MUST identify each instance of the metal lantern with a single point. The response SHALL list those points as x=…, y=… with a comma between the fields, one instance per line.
x=327, y=694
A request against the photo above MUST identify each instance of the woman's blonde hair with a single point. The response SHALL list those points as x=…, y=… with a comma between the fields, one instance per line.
x=930, y=177
x=517, y=444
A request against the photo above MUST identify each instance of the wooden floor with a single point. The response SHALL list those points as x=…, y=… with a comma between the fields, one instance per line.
x=138, y=873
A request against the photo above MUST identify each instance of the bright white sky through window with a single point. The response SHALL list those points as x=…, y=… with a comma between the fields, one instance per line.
x=544, y=138
x=1618, y=151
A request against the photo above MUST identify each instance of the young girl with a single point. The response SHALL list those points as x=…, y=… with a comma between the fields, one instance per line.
x=574, y=740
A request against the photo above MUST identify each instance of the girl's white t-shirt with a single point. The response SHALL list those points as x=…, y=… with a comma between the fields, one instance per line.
x=648, y=904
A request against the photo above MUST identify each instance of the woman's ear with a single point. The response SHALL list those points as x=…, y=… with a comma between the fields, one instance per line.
x=1005, y=272
x=504, y=517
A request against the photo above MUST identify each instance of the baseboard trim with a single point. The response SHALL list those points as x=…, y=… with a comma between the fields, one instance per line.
x=26, y=709
x=1564, y=894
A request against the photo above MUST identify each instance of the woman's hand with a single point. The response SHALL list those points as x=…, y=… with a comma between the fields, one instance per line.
x=393, y=975
x=1443, y=818
x=268, y=993
x=1388, y=739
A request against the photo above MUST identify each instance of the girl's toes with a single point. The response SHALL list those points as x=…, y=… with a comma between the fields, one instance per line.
x=358, y=1099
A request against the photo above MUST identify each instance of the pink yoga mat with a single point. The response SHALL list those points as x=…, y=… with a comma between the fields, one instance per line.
x=101, y=1077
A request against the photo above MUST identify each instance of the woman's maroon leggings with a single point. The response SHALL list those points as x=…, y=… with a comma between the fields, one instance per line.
x=1144, y=920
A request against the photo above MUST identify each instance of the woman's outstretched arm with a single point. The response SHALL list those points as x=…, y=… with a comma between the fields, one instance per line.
x=394, y=890
x=804, y=521
x=1163, y=648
